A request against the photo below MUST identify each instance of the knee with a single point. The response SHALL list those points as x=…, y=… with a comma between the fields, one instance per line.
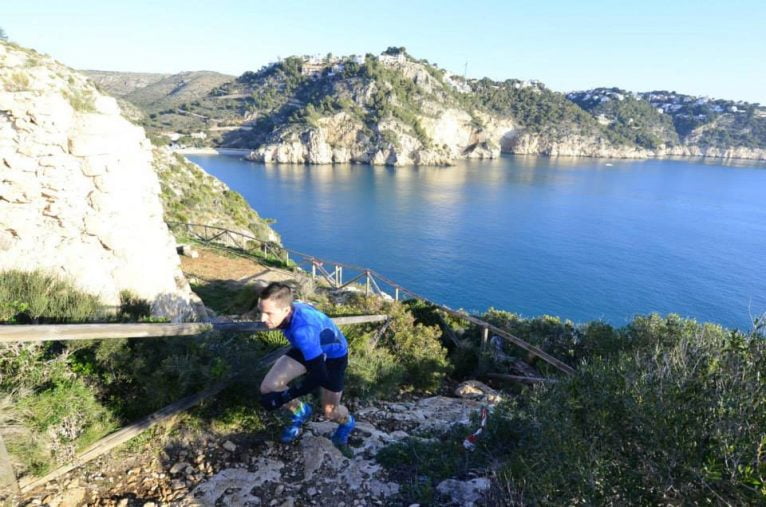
x=329, y=411
x=268, y=386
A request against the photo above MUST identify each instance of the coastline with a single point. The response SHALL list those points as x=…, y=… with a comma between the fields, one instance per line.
x=212, y=151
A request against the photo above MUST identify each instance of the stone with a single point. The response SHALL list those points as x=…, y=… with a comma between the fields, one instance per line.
x=475, y=390
x=465, y=493
x=178, y=467
x=229, y=446
x=187, y=250
x=234, y=486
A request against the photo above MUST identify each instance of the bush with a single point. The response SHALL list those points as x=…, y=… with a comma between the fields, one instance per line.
x=373, y=372
x=418, y=348
x=40, y=297
x=678, y=415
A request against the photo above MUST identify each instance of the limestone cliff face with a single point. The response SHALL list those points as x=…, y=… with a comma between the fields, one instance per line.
x=343, y=138
x=522, y=143
x=78, y=194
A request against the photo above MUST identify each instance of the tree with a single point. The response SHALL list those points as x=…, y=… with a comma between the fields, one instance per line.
x=393, y=50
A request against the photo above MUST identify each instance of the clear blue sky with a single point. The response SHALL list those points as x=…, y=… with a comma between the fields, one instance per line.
x=714, y=48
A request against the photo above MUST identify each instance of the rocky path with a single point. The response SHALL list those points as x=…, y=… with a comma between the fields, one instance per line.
x=252, y=469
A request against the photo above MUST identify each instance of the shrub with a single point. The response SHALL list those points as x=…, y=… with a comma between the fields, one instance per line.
x=81, y=100
x=373, y=372
x=418, y=348
x=42, y=297
x=678, y=415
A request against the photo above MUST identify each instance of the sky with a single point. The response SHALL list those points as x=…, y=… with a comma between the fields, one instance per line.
x=708, y=48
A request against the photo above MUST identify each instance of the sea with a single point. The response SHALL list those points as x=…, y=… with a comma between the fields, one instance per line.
x=578, y=238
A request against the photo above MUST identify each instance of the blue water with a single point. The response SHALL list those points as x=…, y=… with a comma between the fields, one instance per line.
x=575, y=238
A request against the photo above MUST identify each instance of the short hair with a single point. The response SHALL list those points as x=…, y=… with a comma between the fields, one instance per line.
x=278, y=292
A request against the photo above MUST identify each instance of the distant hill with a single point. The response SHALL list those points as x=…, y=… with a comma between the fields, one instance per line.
x=156, y=92
x=395, y=109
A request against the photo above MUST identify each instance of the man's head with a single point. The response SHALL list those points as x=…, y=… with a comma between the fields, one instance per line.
x=275, y=304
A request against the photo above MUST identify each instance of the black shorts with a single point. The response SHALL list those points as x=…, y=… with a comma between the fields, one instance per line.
x=336, y=369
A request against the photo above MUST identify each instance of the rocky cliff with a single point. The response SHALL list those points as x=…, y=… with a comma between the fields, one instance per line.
x=78, y=194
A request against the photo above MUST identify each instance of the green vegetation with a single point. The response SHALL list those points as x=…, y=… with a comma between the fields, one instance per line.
x=40, y=297
x=190, y=195
x=81, y=100
x=288, y=98
x=663, y=411
x=59, y=397
x=536, y=107
x=16, y=82
x=632, y=121
x=62, y=396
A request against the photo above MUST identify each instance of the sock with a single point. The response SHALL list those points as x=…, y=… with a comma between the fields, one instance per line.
x=298, y=410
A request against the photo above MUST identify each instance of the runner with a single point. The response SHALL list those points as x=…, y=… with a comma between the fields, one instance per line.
x=319, y=351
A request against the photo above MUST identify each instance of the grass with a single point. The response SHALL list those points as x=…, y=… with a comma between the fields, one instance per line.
x=81, y=100
x=16, y=82
x=226, y=297
x=41, y=297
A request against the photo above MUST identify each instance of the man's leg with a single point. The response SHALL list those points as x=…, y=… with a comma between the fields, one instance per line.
x=280, y=375
x=331, y=406
x=276, y=380
x=334, y=411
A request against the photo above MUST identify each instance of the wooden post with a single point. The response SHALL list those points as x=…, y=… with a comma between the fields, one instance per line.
x=367, y=285
x=396, y=294
x=7, y=476
x=313, y=270
x=339, y=270
x=484, y=338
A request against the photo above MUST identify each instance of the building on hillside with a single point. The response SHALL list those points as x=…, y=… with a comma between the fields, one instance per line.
x=392, y=59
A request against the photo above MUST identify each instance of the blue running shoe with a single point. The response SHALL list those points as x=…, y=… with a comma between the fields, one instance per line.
x=340, y=437
x=291, y=432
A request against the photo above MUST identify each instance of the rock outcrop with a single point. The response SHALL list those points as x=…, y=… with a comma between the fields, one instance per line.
x=526, y=143
x=342, y=138
x=78, y=194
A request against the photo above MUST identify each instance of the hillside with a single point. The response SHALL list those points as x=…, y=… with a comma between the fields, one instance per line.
x=191, y=195
x=157, y=92
x=394, y=109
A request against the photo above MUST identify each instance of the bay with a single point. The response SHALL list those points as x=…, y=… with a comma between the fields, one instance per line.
x=582, y=239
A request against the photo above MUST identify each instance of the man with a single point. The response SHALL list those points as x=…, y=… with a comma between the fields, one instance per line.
x=319, y=350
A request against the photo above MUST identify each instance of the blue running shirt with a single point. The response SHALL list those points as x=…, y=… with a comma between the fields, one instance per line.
x=314, y=333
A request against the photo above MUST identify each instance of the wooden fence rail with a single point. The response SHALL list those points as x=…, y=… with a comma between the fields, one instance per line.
x=63, y=332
